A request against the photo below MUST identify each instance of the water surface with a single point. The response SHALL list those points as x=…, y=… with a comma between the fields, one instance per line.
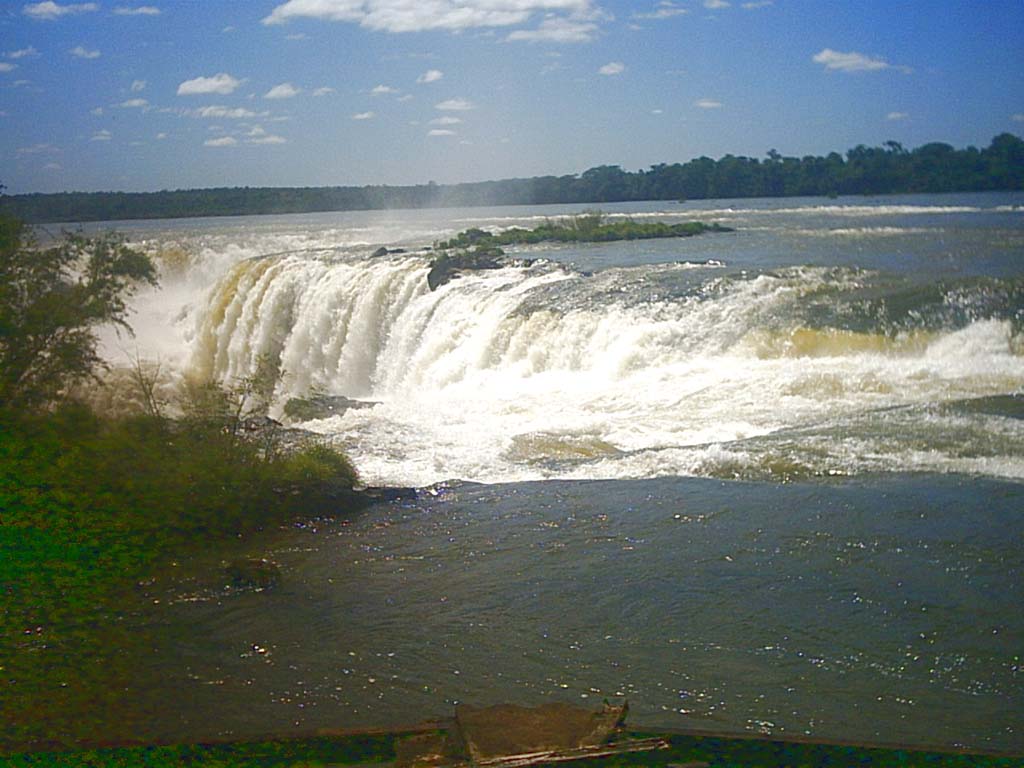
x=761, y=481
x=879, y=610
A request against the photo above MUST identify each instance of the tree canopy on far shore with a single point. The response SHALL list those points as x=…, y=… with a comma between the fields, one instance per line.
x=888, y=169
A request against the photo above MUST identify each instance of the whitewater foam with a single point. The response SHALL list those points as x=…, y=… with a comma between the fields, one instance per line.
x=694, y=367
x=697, y=210
x=472, y=378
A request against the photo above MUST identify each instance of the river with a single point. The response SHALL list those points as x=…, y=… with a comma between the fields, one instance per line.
x=766, y=480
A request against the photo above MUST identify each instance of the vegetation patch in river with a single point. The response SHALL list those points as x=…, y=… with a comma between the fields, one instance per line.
x=477, y=249
x=588, y=227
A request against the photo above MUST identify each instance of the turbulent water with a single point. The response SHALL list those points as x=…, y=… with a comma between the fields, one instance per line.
x=856, y=364
x=819, y=339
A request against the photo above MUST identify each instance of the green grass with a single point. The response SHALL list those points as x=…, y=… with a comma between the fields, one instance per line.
x=91, y=507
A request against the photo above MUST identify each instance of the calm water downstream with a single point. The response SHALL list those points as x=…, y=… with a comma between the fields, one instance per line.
x=763, y=481
x=880, y=610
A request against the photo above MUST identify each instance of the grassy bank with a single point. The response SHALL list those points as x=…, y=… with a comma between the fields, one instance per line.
x=90, y=508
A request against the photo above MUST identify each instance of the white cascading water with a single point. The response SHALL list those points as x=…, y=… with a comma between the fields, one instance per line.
x=505, y=376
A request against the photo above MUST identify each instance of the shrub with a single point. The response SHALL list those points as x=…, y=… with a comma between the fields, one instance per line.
x=51, y=302
x=320, y=464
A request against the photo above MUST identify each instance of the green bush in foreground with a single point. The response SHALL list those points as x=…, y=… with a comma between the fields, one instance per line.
x=90, y=509
x=51, y=301
x=91, y=505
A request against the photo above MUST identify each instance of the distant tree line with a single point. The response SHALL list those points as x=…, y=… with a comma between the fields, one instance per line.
x=934, y=167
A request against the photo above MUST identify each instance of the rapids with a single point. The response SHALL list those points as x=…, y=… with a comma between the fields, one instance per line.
x=822, y=340
x=841, y=380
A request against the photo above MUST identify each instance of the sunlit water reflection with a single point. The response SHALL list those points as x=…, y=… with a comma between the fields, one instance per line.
x=881, y=610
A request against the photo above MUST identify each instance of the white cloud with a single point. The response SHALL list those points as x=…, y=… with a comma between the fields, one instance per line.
x=48, y=11
x=53, y=167
x=558, y=29
x=446, y=120
x=1018, y=117
x=142, y=10
x=408, y=16
x=707, y=104
x=38, y=149
x=897, y=116
x=103, y=135
x=282, y=91
x=223, y=141
x=136, y=103
x=324, y=91
x=84, y=53
x=666, y=9
x=714, y=5
x=222, y=83
x=612, y=68
x=7, y=67
x=430, y=76
x=440, y=132
x=96, y=111
x=217, y=111
x=364, y=115
x=296, y=36
x=269, y=138
x=454, y=105
x=138, y=85
x=161, y=136
x=258, y=135
x=23, y=53
x=853, y=62
x=758, y=4
x=406, y=97
x=382, y=90
x=657, y=111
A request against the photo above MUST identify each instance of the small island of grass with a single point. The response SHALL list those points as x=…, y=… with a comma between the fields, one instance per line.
x=589, y=227
x=477, y=249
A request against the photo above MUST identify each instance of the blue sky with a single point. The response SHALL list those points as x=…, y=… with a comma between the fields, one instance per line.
x=189, y=93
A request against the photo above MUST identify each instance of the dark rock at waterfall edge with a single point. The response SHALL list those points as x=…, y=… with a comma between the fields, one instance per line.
x=322, y=406
x=259, y=423
x=446, y=268
x=382, y=251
